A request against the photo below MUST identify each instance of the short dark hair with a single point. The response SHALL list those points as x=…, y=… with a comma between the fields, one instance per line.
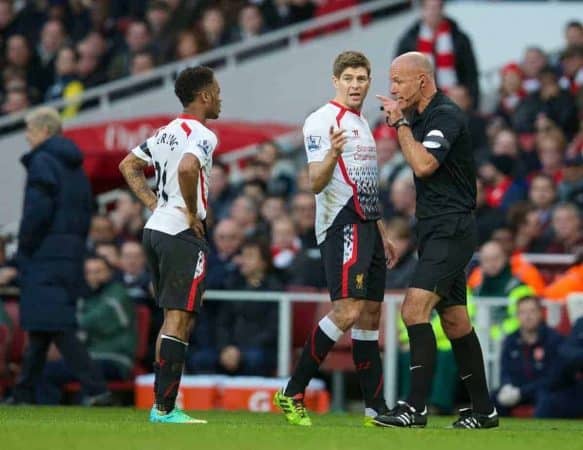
x=544, y=176
x=574, y=24
x=263, y=246
x=350, y=59
x=96, y=257
x=530, y=298
x=191, y=82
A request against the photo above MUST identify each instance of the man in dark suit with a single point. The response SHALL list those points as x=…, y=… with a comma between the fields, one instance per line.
x=51, y=245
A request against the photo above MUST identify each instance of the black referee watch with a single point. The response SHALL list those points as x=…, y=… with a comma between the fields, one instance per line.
x=399, y=123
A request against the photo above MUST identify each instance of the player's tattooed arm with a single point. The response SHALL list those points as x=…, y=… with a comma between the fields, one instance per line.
x=188, y=179
x=132, y=169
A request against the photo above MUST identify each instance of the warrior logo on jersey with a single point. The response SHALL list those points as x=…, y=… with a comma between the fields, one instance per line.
x=313, y=143
x=205, y=146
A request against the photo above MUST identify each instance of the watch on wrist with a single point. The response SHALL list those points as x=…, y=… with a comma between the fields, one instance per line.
x=400, y=122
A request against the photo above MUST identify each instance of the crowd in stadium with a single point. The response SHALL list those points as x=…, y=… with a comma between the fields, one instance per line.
x=530, y=192
x=54, y=50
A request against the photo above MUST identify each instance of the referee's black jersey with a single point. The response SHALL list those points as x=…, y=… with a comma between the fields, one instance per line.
x=442, y=129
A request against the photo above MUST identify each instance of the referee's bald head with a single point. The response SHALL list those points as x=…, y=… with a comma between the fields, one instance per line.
x=415, y=62
x=412, y=80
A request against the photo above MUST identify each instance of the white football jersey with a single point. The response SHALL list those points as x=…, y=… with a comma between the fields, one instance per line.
x=352, y=194
x=164, y=150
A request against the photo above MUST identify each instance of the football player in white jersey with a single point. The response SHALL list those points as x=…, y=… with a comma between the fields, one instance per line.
x=343, y=171
x=175, y=236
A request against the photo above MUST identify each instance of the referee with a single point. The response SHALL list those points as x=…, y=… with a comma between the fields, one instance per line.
x=435, y=141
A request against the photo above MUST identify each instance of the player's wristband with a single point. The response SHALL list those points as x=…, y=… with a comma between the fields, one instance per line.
x=399, y=123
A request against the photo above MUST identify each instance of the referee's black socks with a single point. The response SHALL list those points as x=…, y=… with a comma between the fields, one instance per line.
x=317, y=346
x=169, y=371
x=470, y=362
x=423, y=354
x=367, y=360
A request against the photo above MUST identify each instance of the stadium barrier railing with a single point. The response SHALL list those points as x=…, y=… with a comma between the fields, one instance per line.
x=482, y=323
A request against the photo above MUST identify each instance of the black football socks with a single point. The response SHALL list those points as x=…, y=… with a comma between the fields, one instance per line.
x=367, y=360
x=169, y=372
x=470, y=362
x=423, y=355
x=317, y=346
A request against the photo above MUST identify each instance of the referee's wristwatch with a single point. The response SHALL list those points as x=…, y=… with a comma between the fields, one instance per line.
x=399, y=123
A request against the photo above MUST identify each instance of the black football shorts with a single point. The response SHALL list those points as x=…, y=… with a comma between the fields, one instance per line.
x=446, y=245
x=178, y=264
x=354, y=261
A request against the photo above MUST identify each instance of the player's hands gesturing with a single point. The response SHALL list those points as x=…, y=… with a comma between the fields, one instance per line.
x=392, y=109
x=337, y=140
x=390, y=253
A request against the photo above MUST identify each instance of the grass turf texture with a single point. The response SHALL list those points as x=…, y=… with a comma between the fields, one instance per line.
x=31, y=428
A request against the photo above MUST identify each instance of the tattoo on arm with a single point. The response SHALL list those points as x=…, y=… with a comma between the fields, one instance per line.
x=132, y=169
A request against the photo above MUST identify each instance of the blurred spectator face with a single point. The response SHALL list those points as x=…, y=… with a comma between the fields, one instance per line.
x=95, y=43
x=492, y=259
x=489, y=174
x=530, y=228
x=187, y=45
x=17, y=51
x=52, y=36
x=101, y=229
x=142, y=63
x=303, y=180
x=530, y=315
x=273, y=208
x=566, y=223
x=549, y=85
x=15, y=101
x=511, y=80
x=128, y=207
x=267, y=154
x=6, y=14
x=244, y=212
x=550, y=153
x=304, y=211
x=480, y=193
x=213, y=23
x=227, y=237
x=542, y=193
x=87, y=64
x=574, y=35
x=432, y=12
x=109, y=252
x=505, y=238
x=66, y=62
x=158, y=17
x=506, y=143
x=461, y=97
x=133, y=259
x=283, y=233
x=403, y=196
x=573, y=61
x=137, y=37
x=533, y=62
x=257, y=170
x=218, y=182
x=251, y=261
x=251, y=20
x=97, y=273
x=255, y=191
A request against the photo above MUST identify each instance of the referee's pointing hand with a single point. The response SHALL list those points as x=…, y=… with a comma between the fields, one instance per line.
x=337, y=140
x=392, y=109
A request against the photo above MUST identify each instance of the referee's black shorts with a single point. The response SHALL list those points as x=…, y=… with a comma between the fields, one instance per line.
x=354, y=261
x=446, y=245
x=179, y=265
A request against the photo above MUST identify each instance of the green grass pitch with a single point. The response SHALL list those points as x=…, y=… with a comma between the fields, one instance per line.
x=30, y=428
